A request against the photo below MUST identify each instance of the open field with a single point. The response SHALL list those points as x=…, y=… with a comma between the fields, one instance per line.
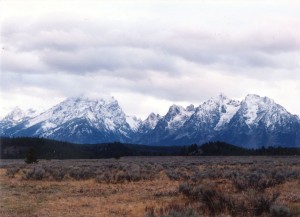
x=152, y=186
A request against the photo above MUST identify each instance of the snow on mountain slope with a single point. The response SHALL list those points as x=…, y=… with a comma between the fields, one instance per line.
x=142, y=134
x=76, y=107
x=152, y=120
x=254, y=122
x=211, y=116
x=175, y=118
x=216, y=112
x=261, y=122
x=227, y=109
x=133, y=122
x=149, y=123
x=257, y=110
x=164, y=127
x=96, y=113
x=15, y=117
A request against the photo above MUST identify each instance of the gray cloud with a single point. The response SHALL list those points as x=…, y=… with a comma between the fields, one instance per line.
x=109, y=59
x=73, y=47
x=68, y=56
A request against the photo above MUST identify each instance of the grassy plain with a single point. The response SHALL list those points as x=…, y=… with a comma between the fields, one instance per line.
x=151, y=186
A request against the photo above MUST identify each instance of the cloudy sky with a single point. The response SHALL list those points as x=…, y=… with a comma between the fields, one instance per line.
x=148, y=54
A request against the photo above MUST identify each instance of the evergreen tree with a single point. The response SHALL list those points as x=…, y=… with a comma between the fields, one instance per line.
x=192, y=148
x=31, y=156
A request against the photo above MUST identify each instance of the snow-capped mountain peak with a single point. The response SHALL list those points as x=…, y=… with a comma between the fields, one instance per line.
x=219, y=99
x=177, y=110
x=79, y=107
x=217, y=111
x=133, y=122
x=17, y=115
x=177, y=116
x=256, y=109
x=227, y=111
x=81, y=116
x=174, y=109
x=190, y=108
x=254, y=122
x=150, y=122
x=251, y=106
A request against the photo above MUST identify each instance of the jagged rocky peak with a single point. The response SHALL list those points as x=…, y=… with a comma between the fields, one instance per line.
x=152, y=120
x=15, y=114
x=16, y=117
x=220, y=103
x=256, y=109
x=213, y=101
x=93, y=119
x=190, y=108
x=261, y=103
x=254, y=103
x=90, y=99
x=77, y=118
x=254, y=98
x=216, y=112
x=222, y=99
x=177, y=113
x=175, y=109
x=98, y=111
x=133, y=122
x=176, y=117
x=18, y=114
x=153, y=116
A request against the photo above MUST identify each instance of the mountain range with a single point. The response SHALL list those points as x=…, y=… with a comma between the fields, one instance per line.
x=251, y=123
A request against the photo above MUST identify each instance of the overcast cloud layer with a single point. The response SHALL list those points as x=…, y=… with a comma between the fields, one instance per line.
x=147, y=54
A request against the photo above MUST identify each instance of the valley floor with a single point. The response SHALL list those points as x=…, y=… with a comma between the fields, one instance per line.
x=151, y=186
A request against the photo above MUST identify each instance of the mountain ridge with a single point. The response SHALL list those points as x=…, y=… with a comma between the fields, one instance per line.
x=251, y=123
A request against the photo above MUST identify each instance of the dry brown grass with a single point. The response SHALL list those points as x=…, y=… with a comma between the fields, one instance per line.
x=80, y=198
x=88, y=198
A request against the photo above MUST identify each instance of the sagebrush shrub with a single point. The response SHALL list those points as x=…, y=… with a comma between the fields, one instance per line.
x=262, y=203
x=280, y=211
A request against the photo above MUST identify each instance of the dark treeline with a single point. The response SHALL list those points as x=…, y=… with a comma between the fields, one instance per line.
x=218, y=148
x=17, y=148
